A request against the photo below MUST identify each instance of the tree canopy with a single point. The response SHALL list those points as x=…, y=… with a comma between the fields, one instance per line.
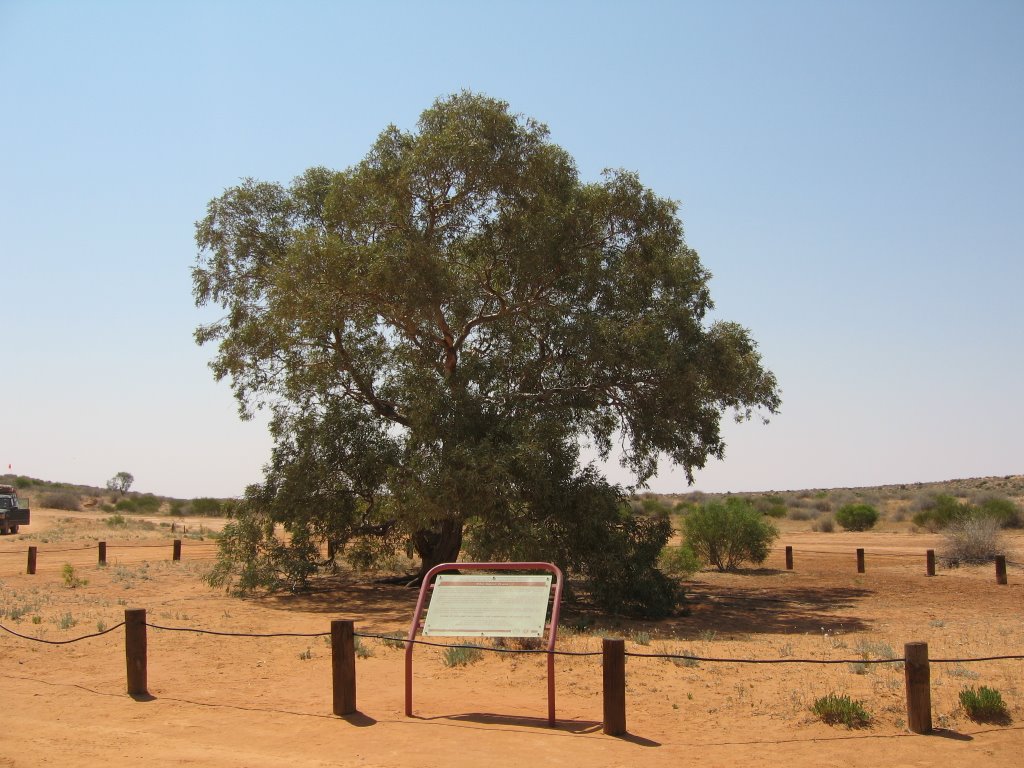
x=439, y=327
x=121, y=482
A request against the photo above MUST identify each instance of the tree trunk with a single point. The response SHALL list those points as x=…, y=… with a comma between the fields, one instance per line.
x=438, y=545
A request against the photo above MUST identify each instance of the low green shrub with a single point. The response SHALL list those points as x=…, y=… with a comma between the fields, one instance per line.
x=126, y=505
x=857, y=517
x=461, y=656
x=1002, y=510
x=116, y=521
x=834, y=709
x=939, y=512
x=730, y=533
x=984, y=705
x=680, y=562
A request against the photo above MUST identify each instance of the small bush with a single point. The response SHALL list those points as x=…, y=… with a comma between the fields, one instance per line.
x=825, y=525
x=680, y=562
x=776, y=511
x=984, y=705
x=940, y=512
x=1002, y=510
x=461, y=656
x=801, y=514
x=147, y=503
x=972, y=540
x=126, y=505
x=730, y=533
x=71, y=579
x=66, y=500
x=362, y=650
x=116, y=521
x=833, y=709
x=857, y=517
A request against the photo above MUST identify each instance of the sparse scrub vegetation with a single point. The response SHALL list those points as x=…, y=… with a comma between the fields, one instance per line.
x=461, y=656
x=71, y=579
x=824, y=525
x=66, y=500
x=972, y=540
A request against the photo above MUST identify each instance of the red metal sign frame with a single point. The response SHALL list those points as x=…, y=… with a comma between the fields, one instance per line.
x=428, y=584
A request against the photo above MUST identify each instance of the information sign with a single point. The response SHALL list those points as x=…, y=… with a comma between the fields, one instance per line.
x=488, y=605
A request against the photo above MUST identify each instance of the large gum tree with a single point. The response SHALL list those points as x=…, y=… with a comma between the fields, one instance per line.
x=438, y=328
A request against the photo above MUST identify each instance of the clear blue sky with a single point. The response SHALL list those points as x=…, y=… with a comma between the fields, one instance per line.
x=851, y=174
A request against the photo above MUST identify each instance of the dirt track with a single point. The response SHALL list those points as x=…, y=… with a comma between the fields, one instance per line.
x=220, y=701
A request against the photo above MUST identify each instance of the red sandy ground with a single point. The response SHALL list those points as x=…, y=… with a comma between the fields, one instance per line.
x=219, y=701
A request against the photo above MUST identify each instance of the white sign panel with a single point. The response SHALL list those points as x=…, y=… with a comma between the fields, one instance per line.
x=488, y=605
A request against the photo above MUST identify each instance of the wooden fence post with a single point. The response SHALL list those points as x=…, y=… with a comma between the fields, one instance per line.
x=930, y=558
x=919, y=695
x=343, y=666
x=860, y=561
x=1000, y=569
x=614, y=670
x=103, y=553
x=177, y=550
x=135, y=651
x=31, y=567
x=330, y=550
x=789, y=558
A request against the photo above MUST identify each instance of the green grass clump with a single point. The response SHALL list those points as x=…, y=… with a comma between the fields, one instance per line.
x=461, y=656
x=71, y=579
x=984, y=705
x=393, y=640
x=834, y=709
x=363, y=651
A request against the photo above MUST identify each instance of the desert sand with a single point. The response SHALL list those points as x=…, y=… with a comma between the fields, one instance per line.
x=234, y=701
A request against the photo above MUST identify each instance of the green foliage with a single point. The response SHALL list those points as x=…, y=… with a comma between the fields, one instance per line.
x=984, y=705
x=857, y=517
x=776, y=510
x=126, y=505
x=942, y=511
x=439, y=327
x=362, y=650
x=834, y=709
x=1002, y=510
x=461, y=656
x=116, y=521
x=679, y=561
x=394, y=640
x=121, y=482
x=730, y=533
x=23, y=482
x=66, y=500
x=71, y=579
x=147, y=503
x=588, y=530
x=205, y=507
x=66, y=621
